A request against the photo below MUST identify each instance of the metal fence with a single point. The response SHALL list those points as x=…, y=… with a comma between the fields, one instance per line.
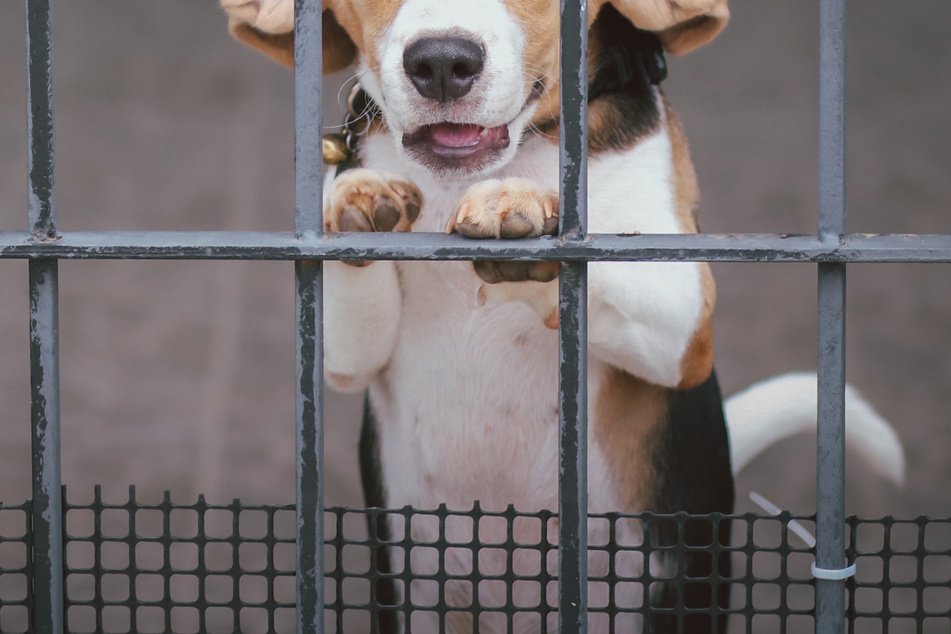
x=68, y=568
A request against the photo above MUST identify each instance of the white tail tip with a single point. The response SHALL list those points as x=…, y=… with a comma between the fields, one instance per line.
x=785, y=405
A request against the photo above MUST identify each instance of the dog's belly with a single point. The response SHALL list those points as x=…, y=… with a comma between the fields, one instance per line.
x=467, y=411
x=467, y=408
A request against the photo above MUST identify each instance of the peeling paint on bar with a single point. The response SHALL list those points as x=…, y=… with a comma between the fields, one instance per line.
x=308, y=226
x=39, y=44
x=47, y=479
x=573, y=323
x=47, y=507
x=225, y=245
x=309, y=444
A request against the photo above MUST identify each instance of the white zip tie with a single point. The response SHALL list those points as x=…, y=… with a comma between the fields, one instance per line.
x=801, y=531
x=832, y=575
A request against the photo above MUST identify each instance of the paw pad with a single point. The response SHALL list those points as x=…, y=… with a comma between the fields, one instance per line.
x=368, y=200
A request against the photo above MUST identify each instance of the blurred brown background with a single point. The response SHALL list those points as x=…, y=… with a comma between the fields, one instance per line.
x=179, y=375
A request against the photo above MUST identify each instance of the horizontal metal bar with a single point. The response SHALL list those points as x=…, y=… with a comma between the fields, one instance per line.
x=228, y=245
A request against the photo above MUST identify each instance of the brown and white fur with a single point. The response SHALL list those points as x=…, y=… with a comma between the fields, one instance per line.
x=461, y=361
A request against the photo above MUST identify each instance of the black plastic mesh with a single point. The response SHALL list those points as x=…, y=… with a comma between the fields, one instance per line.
x=167, y=567
x=903, y=575
x=16, y=567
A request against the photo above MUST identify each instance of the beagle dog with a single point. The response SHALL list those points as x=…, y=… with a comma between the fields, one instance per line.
x=461, y=361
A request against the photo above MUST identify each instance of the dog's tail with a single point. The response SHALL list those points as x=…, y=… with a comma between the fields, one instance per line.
x=785, y=405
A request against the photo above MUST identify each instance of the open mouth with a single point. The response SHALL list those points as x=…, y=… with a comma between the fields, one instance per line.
x=459, y=148
x=453, y=147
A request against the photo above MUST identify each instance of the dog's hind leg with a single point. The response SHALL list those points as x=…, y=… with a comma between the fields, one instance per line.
x=692, y=463
x=378, y=532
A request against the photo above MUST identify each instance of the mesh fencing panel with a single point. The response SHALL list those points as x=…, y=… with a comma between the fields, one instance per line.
x=201, y=567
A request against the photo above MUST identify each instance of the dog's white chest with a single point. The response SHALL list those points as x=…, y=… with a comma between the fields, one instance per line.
x=476, y=412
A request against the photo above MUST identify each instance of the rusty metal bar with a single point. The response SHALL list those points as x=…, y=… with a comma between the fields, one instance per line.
x=308, y=222
x=44, y=328
x=237, y=245
x=573, y=324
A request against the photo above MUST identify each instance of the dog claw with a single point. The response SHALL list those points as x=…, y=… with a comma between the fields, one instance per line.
x=511, y=208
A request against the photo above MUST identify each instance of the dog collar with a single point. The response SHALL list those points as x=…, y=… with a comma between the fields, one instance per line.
x=652, y=56
x=340, y=148
x=629, y=57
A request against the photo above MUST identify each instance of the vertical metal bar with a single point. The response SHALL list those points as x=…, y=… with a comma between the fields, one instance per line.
x=830, y=477
x=308, y=155
x=573, y=324
x=830, y=509
x=309, y=283
x=573, y=486
x=832, y=44
x=42, y=199
x=574, y=119
x=44, y=329
x=310, y=449
x=47, y=480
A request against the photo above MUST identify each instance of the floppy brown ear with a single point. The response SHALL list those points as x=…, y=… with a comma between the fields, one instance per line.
x=682, y=25
x=339, y=49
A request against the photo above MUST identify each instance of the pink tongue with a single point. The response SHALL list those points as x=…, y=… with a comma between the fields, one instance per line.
x=456, y=134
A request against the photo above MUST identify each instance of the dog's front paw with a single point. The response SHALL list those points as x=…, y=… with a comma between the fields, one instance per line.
x=512, y=208
x=269, y=16
x=509, y=208
x=368, y=200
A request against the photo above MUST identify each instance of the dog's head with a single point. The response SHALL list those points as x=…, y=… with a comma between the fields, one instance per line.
x=460, y=82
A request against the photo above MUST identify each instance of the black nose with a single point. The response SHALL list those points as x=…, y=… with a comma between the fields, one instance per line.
x=443, y=68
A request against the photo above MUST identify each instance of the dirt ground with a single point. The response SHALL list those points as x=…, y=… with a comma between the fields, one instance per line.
x=179, y=375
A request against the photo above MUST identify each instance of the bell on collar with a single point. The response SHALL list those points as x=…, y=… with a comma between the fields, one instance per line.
x=340, y=149
x=335, y=150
